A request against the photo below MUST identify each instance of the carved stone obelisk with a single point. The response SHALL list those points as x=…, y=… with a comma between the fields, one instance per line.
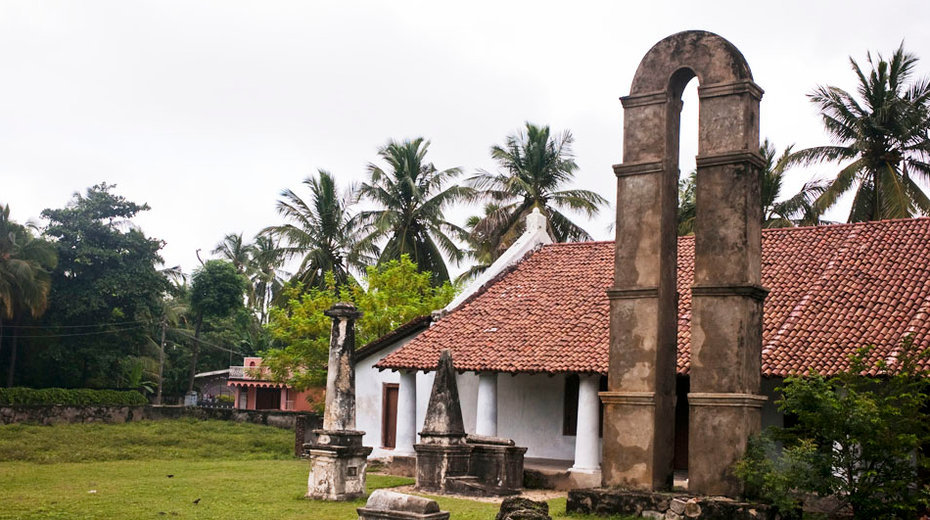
x=442, y=452
x=337, y=459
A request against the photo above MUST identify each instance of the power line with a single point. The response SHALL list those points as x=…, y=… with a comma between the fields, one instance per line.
x=97, y=333
x=117, y=324
x=207, y=343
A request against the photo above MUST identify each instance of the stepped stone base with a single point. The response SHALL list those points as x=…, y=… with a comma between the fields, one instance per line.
x=337, y=466
x=670, y=506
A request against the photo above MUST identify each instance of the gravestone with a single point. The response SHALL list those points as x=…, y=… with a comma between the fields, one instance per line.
x=337, y=459
x=388, y=505
x=726, y=327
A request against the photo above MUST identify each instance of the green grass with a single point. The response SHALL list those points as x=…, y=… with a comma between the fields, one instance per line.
x=237, y=471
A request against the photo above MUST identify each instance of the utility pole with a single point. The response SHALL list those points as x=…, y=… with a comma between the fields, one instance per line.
x=161, y=359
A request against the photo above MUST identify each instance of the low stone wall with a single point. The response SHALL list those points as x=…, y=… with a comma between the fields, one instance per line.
x=54, y=414
x=57, y=414
x=669, y=506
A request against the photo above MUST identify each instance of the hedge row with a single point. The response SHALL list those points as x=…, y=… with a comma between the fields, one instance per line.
x=71, y=397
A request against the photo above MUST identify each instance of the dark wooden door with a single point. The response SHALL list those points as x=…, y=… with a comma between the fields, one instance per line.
x=267, y=398
x=389, y=415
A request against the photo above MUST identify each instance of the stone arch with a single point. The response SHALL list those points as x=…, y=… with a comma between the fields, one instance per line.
x=726, y=297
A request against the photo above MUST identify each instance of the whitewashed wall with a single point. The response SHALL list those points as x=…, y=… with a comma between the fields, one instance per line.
x=368, y=387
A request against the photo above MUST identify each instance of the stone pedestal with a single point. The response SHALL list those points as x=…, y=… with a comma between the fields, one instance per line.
x=337, y=465
x=496, y=462
x=437, y=464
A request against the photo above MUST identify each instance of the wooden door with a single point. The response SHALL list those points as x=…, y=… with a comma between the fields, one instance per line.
x=268, y=399
x=389, y=415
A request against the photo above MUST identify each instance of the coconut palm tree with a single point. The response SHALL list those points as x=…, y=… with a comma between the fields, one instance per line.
x=880, y=140
x=799, y=209
x=412, y=196
x=25, y=279
x=319, y=231
x=534, y=167
x=234, y=249
x=266, y=277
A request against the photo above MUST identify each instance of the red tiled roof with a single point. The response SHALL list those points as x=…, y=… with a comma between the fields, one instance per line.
x=833, y=289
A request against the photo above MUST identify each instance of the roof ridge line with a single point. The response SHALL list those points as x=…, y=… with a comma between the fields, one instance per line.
x=796, y=311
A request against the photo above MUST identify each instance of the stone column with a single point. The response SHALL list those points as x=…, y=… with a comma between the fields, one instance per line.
x=406, y=415
x=486, y=420
x=340, y=378
x=337, y=459
x=587, y=434
x=639, y=404
x=727, y=296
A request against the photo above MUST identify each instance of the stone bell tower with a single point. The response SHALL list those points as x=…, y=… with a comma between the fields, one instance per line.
x=726, y=331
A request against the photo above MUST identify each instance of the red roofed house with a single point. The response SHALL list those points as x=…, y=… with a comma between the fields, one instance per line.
x=531, y=345
x=254, y=389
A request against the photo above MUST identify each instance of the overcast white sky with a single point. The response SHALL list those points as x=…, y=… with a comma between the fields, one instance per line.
x=207, y=110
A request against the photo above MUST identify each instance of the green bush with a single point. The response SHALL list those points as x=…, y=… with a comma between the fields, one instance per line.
x=71, y=397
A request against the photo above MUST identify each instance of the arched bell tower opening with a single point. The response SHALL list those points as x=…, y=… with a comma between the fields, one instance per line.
x=726, y=327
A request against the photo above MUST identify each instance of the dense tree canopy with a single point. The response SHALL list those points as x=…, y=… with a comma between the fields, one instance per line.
x=105, y=289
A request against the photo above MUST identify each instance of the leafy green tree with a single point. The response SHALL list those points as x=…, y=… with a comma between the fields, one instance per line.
x=687, y=203
x=236, y=251
x=217, y=291
x=25, y=281
x=534, y=168
x=266, y=275
x=412, y=195
x=881, y=140
x=858, y=438
x=396, y=293
x=319, y=232
x=105, y=290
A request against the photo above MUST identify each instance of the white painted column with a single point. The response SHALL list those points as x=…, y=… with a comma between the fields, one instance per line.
x=587, y=437
x=486, y=420
x=406, y=415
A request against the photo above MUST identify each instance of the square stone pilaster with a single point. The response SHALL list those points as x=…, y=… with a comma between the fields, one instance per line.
x=639, y=430
x=720, y=426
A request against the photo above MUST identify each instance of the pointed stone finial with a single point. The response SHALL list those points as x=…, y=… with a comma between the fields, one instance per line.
x=443, y=422
x=535, y=221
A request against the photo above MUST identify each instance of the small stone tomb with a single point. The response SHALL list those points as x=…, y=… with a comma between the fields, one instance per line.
x=388, y=505
x=449, y=461
x=518, y=508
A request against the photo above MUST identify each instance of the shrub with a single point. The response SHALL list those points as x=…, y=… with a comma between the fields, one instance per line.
x=858, y=438
x=71, y=397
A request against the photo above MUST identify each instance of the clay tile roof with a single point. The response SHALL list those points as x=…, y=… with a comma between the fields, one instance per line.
x=833, y=289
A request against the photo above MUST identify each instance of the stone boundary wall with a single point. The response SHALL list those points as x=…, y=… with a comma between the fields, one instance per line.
x=668, y=506
x=59, y=414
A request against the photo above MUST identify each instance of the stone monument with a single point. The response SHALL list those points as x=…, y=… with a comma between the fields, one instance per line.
x=442, y=452
x=388, y=505
x=337, y=458
x=726, y=328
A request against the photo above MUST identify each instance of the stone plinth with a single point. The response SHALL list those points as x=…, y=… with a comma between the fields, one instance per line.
x=388, y=505
x=496, y=462
x=438, y=463
x=337, y=465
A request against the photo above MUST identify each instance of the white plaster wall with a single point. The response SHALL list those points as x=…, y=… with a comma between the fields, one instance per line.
x=368, y=394
x=530, y=411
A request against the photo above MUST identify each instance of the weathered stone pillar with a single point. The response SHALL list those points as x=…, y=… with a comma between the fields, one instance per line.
x=337, y=459
x=727, y=296
x=486, y=420
x=639, y=415
x=587, y=432
x=406, y=415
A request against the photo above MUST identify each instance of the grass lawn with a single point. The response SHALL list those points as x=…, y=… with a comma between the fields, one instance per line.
x=173, y=469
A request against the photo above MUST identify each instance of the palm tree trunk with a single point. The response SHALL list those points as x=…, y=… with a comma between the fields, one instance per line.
x=196, y=353
x=12, y=368
x=1, y=337
x=161, y=361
